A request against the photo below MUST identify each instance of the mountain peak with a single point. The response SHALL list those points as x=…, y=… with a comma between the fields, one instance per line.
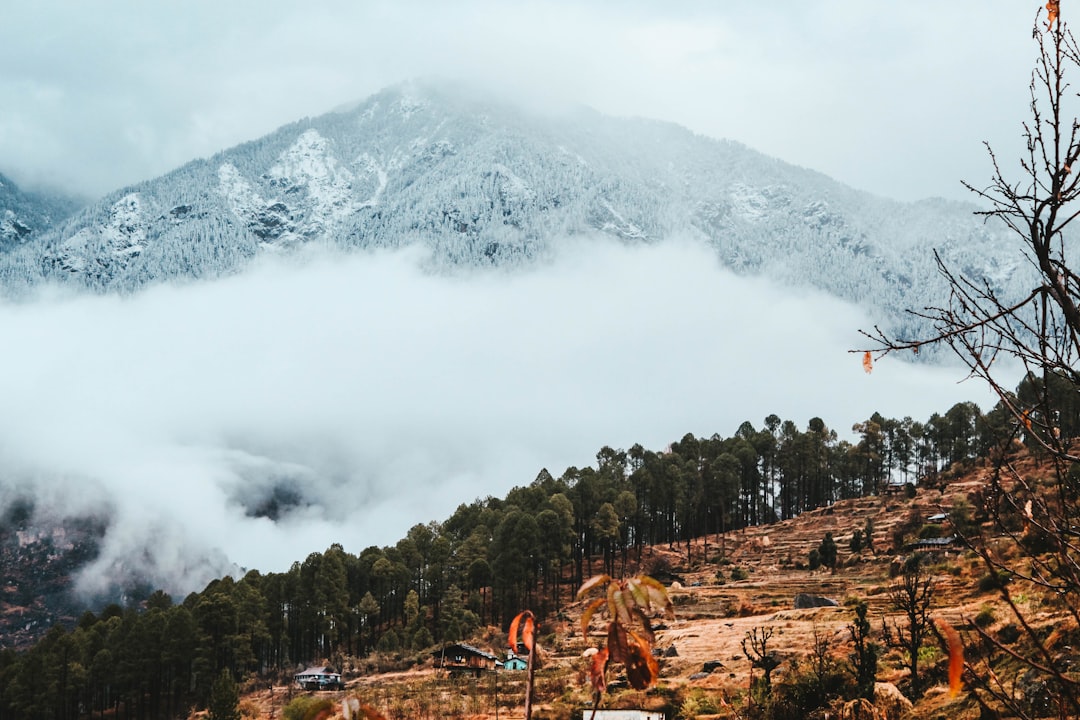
x=480, y=181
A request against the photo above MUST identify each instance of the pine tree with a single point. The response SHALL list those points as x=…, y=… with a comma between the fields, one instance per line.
x=827, y=552
x=865, y=656
x=224, y=698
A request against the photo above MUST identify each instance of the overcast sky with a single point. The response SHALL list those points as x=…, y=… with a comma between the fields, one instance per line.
x=891, y=97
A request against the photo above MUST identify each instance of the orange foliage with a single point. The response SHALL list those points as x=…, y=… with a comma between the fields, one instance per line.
x=596, y=670
x=1052, y=9
x=956, y=655
x=627, y=602
x=867, y=362
x=527, y=624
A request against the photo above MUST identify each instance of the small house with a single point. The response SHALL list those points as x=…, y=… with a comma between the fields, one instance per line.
x=319, y=678
x=515, y=662
x=939, y=543
x=460, y=657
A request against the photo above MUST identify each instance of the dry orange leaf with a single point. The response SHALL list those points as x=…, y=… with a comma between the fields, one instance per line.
x=956, y=655
x=527, y=634
x=867, y=362
x=596, y=671
x=1052, y=9
x=594, y=581
x=526, y=622
x=642, y=669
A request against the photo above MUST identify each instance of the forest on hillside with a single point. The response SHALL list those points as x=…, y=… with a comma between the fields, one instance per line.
x=446, y=580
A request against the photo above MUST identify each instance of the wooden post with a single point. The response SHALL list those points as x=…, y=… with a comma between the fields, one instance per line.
x=529, y=683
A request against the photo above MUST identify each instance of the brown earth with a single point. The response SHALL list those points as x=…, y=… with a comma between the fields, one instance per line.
x=713, y=616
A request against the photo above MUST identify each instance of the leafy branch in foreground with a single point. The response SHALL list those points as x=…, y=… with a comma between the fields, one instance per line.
x=630, y=636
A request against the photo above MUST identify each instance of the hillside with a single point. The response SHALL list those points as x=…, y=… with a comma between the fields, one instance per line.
x=701, y=655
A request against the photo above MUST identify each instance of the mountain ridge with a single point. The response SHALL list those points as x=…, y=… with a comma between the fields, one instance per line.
x=484, y=184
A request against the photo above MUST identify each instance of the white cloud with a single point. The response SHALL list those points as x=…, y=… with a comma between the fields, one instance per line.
x=387, y=396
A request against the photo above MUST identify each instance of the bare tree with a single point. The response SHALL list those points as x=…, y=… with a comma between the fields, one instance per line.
x=1040, y=331
x=912, y=595
x=760, y=656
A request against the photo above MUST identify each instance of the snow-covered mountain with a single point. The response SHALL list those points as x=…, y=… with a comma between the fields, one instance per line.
x=478, y=183
x=25, y=214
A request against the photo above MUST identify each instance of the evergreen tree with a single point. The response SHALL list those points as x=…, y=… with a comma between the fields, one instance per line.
x=827, y=552
x=224, y=698
x=865, y=655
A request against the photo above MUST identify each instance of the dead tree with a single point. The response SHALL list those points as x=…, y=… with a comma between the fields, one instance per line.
x=761, y=657
x=912, y=596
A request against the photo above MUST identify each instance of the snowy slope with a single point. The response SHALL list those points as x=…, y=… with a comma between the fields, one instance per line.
x=25, y=214
x=480, y=184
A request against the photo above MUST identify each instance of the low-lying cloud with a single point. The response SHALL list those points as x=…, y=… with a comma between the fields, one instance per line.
x=350, y=397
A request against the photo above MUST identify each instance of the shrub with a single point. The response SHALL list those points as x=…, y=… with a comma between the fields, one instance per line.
x=698, y=703
x=856, y=542
x=1009, y=634
x=739, y=573
x=899, y=538
x=985, y=617
x=304, y=706
x=993, y=580
x=804, y=692
x=928, y=655
x=929, y=531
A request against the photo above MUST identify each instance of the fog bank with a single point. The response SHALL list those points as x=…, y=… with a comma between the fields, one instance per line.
x=353, y=396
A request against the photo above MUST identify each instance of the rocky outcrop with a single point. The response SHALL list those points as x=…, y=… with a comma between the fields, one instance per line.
x=805, y=601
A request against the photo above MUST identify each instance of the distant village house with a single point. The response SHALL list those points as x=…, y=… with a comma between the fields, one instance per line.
x=515, y=662
x=460, y=657
x=319, y=678
x=939, y=543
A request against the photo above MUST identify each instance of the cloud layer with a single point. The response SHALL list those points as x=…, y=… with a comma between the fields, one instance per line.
x=380, y=396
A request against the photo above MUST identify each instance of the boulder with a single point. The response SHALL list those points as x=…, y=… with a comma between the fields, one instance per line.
x=889, y=701
x=859, y=709
x=804, y=601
